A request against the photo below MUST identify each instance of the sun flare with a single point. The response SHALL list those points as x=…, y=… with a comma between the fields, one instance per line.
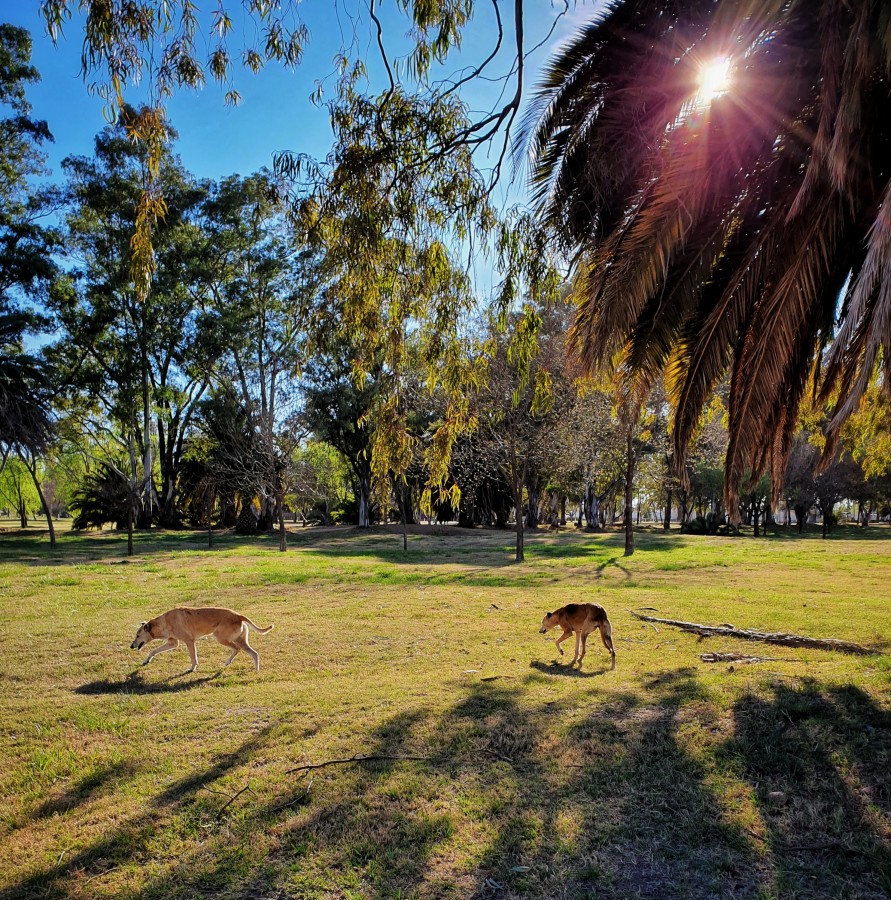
x=713, y=80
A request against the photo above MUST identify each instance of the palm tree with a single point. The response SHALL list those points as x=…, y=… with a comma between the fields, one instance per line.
x=718, y=173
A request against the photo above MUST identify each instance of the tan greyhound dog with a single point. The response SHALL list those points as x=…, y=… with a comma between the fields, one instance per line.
x=188, y=624
x=581, y=618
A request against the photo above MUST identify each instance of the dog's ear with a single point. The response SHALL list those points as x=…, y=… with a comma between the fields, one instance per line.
x=148, y=626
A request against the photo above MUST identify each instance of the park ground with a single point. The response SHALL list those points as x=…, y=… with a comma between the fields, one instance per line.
x=670, y=777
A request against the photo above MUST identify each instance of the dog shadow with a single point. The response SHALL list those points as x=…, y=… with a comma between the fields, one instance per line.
x=134, y=684
x=565, y=670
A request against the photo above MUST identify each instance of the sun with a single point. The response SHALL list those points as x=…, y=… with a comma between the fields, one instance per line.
x=713, y=80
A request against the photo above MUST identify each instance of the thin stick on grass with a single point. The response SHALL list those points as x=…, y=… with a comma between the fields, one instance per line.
x=352, y=760
x=769, y=637
x=298, y=799
x=231, y=800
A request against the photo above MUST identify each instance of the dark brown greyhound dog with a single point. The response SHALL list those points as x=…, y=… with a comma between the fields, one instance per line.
x=581, y=618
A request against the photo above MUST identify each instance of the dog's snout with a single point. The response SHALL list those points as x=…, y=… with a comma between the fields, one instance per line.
x=542, y=630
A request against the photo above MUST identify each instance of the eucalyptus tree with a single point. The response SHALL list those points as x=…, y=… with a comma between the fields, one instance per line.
x=519, y=403
x=336, y=405
x=259, y=285
x=25, y=243
x=718, y=171
x=142, y=359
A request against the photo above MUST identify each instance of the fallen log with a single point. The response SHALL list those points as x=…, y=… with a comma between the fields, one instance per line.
x=769, y=637
x=739, y=657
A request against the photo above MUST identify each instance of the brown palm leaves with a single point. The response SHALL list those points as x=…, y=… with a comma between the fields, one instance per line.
x=746, y=233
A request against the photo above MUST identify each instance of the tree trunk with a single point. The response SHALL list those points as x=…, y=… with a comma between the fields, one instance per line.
x=562, y=519
x=130, y=516
x=518, y=513
x=755, y=517
x=282, y=534
x=31, y=466
x=516, y=484
x=800, y=514
x=404, y=496
x=533, y=502
x=629, y=493
x=666, y=522
x=364, y=477
x=827, y=519
x=592, y=508
x=147, y=438
x=404, y=522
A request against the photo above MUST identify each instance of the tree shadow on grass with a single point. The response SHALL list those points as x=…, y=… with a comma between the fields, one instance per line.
x=85, y=788
x=612, y=561
x=820, y=764
x=135, y=840
x=633, y=817
x=615, y=795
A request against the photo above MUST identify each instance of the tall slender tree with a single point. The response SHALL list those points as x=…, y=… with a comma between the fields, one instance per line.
x=143, y=357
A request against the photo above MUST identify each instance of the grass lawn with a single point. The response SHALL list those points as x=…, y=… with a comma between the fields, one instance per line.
x=670, y=777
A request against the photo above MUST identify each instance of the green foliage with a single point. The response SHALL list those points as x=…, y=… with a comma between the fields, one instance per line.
x=17, y=490
x=321, y=481
x=101, y=498
x=25, y=251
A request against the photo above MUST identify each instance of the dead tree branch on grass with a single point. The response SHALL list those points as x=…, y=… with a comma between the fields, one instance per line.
x=769, y=637
x=351, y=760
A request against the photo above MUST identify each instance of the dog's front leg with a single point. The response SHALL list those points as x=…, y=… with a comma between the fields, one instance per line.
x=560, y=640
x=170, y=645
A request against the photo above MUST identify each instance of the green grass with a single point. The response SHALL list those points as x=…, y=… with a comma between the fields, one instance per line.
x=669, y=777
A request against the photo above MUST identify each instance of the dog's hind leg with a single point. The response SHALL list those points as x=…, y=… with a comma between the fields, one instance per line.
x=193, y=654
x=584, y=643
x=578, y=643
x=242, y=643
x=606, y=635
x=172, y=644
x=235, y=649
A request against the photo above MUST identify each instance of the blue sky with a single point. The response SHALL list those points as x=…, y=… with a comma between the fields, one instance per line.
x=215, y=140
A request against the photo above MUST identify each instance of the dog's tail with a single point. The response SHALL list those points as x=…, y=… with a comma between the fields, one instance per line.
x=256, y=628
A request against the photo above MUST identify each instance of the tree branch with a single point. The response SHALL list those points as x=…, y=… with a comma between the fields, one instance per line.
x=775, y=637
